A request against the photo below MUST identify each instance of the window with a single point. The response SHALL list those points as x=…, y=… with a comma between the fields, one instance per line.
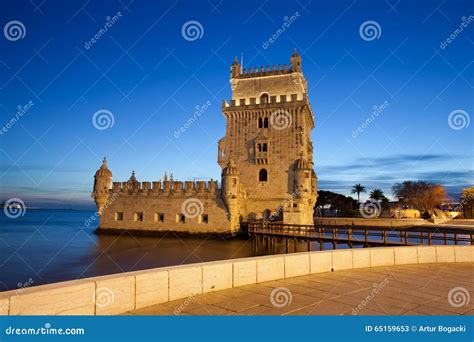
x=264, y=98
x=264, y=147
x=265, y=123
x=204, y=219
x=260, y=123
x=262, y=175
x=138, y=217
x=159, y=217
x=118, y=216
x=180, y=218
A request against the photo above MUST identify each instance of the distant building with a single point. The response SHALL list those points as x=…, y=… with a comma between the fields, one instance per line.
x=266, y=158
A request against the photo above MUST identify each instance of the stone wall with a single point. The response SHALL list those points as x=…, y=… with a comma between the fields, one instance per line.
x=154, y=206
x=115, y=294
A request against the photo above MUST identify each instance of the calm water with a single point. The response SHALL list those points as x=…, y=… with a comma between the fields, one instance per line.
x=50, y=246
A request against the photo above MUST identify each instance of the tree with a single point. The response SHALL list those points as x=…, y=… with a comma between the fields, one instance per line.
x=377, y=195
x=343, y=204
x=421, y=195
x=467, y=202
x=357, y=189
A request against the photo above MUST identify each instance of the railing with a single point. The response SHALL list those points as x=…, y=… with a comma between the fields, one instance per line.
x=367, y=235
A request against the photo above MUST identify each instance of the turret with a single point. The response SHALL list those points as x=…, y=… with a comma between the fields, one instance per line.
x=295, y=62
x=230, y=180
x=235, y=69
x=102, y=185
x=230, y=192
x=302, y=172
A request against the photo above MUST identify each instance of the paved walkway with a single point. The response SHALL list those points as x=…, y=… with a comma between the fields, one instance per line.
x=395, y=290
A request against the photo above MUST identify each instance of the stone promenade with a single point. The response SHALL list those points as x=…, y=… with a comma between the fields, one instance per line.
x=420, y=289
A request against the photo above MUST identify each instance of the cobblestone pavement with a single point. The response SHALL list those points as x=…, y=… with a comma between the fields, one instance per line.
x=422, y=289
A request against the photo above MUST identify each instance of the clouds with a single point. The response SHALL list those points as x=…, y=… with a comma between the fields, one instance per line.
x=383, y=172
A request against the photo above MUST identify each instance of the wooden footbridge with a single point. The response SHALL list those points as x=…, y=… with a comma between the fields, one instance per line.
x=385, y=236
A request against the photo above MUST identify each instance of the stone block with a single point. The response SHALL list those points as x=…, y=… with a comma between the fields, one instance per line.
x=464, y=253
x=151, y=287
x=406, y=255
x=426, y=254
x=270, y=268
x=4, y=306
x=360, y=258
x=445, y=254
x=321, y=262
x=245, y=272
x=184, y=281
x=114, y=294
x=341, y=260
x=296, y=264
x=216, y=276
x=67, y=298
x=381, y=256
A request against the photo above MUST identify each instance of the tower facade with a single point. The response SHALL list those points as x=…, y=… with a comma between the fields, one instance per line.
x=268, y=137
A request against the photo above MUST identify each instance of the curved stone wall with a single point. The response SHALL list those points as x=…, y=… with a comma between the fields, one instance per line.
x=115, y=294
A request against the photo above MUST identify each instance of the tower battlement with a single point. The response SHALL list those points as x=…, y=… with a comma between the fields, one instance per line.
x=276, y=100
x=264, y=71
x=167, y=188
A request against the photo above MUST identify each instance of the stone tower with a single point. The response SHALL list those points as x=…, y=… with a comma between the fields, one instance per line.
x=268, y=135
x=102, y=185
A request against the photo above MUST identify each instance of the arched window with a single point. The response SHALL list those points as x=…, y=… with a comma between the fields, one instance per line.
x=265, y=123
x=260, y=122
x=264, y=98
x=262, y=175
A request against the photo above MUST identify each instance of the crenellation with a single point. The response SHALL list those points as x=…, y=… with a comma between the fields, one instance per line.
x=156, y=187
x=117, y=187
x=146, y=187
x=178, y=187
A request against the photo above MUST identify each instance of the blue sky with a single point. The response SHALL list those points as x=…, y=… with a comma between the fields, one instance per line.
x=144, y=72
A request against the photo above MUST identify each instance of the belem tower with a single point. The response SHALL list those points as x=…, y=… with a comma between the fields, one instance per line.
x=266, y=157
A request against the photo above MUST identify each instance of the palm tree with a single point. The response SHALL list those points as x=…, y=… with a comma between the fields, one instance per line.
x=377, y=195
x=357, y=189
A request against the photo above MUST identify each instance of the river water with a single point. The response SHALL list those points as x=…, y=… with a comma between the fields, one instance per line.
x=46, y=246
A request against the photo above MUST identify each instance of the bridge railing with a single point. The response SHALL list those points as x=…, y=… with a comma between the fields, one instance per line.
x=384, y=235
